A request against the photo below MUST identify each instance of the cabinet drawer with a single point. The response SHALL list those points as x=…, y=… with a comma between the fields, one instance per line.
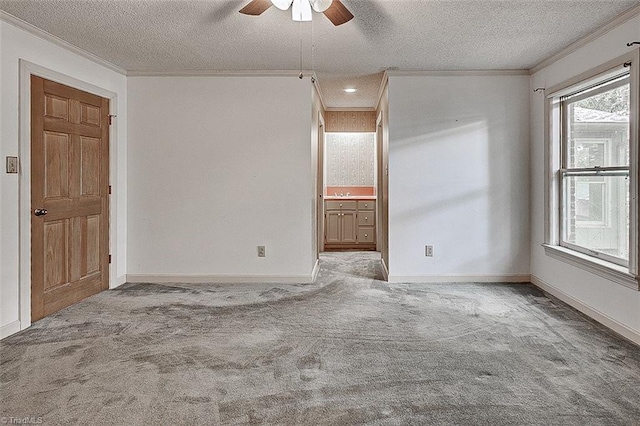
x=366, y=235
x=366, y=217
x=337, y=205
x=366, y=205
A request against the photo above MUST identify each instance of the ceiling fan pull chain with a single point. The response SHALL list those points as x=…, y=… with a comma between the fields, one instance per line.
x=313, y=52
x=300, y=75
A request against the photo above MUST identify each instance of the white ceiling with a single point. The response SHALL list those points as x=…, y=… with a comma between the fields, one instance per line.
x=197, y=35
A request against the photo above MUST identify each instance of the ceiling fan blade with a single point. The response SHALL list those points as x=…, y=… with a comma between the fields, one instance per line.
x=256, y=7
x=338, y=13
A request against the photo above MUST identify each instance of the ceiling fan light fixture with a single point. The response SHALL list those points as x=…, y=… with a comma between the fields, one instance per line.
x=321, y=5
x=282, y=4
x=301, y=10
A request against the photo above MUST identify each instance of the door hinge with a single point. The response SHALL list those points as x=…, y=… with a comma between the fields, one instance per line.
x=109, y=258
x=109, y=189
x=111, y=116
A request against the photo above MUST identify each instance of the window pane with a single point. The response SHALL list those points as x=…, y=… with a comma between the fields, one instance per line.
x=598, y=129
x=589, y=201
x=596, y=213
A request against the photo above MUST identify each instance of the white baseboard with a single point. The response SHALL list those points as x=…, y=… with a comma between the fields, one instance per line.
x=316, y=270
x=385, y=270
x=9, y=329
x=503, y=278
x=602, y=318
x=217, y=279
x=118, y=282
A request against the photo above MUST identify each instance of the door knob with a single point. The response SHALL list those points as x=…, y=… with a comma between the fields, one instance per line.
x=40, y=212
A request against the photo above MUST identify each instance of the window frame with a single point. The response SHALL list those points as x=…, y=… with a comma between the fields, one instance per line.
x=595, y=262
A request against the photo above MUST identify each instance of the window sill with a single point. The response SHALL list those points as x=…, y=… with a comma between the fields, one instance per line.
x=608, y=270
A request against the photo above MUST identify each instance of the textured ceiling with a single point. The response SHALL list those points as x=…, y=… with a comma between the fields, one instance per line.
x=193, y=35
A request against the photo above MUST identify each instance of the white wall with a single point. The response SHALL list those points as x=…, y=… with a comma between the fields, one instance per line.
x=615, y=305
x=16, y=44
x=458, y=176
x=218, y=166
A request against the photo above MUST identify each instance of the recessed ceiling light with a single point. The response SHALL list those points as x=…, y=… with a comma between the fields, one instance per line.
x=350, y=90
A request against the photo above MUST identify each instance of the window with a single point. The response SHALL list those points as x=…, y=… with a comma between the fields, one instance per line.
x=590, y=196
x=592, y=176
x=594, y=173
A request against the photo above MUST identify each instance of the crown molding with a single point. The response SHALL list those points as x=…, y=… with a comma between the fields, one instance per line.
x=337, y=109
x=32, y=29
x=626, y=16
x=221, y=73
x=455, y=73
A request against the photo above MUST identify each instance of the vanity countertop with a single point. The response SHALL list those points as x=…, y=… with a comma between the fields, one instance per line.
x=351, y=197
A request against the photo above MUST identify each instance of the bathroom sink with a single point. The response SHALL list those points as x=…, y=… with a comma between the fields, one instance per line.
x=350, y=197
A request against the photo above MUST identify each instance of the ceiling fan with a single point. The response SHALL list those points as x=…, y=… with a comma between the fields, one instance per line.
x=301, y=10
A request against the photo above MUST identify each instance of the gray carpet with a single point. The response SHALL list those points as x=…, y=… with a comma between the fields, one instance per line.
x=348, y=349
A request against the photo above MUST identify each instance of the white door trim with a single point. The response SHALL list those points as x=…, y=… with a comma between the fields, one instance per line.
x=319, y=197
x=26, y=69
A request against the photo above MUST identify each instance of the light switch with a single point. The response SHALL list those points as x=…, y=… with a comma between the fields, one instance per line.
x=12, y=164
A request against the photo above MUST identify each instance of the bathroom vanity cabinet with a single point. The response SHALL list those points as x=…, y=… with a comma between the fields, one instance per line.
x=350, y=223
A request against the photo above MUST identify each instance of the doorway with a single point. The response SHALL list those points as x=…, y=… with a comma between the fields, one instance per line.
x=347, y=181
x=69, y=196
x=349, y=189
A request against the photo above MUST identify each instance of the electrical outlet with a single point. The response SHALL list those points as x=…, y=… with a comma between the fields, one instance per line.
x=261, y=251
x=12, y=164
x=428, y=251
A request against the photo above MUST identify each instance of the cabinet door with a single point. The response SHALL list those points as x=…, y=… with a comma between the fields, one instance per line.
x=349, y=227
x=332, y=227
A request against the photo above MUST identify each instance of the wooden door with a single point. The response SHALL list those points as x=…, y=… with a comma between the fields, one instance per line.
x=349, y=227
x=69, y=196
